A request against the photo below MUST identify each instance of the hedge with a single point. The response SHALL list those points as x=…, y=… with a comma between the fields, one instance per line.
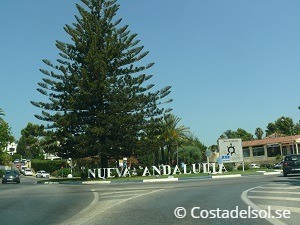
x=48, y=165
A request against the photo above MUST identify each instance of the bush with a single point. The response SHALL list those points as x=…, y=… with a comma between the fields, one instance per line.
x=246, y=166
x=16, y=156
x=76, y=173
x=5, y=159
x=84, y=174
x=139, y=172
x=2, y=172
x=47, y=165
x=278, y=158
x=61, y=173
x=229, y=166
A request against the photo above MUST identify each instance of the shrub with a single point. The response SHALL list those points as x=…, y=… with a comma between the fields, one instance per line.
x=139, y=172
x=84, y=174
x=278, y=158
x=16, y=156
x=61, y=173
x=246, y=166
x=47, y=165
x=2, y=172
x=229, y=166
x=5, y=159
x=76, y=173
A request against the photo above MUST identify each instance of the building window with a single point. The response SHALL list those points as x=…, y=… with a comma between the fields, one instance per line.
x=273, y=150
x=246, y=152
x=258, y=151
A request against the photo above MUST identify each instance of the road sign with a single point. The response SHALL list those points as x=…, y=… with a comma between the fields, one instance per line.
x=219, y=160
x=231, y=150
x=208, y=153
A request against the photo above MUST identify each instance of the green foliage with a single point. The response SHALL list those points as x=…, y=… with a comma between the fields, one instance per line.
x=229, y=166
x=29, y=143
x=240, y=133
x=2, y=112
x=87, y=162
x=48, y=165
x=189, y=154
x=5, y=158
x=84, y=174
x=278, y=158
x=62, y=172
x=283, y=126
x=246, y=166
x=259, y=133
x=146, y=159
x=139, y=172
x=16, y=156
x=173, y=136
x=6, y=136
x=99, y=94
x=2, y=172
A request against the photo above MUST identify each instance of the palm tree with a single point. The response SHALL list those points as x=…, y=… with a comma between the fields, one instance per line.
x=259, y=133
x=173, y=135
x=1, y=114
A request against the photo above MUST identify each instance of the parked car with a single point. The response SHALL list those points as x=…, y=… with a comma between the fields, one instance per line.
x=11, y=176
x=291, y=164
x=254, y=166
x=28, y=172
x=42, y=174
x=23, y=168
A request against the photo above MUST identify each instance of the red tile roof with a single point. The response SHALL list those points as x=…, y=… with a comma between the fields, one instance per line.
x=265, y=141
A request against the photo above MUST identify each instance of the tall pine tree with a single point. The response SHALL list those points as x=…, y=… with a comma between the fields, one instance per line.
x=100, y=101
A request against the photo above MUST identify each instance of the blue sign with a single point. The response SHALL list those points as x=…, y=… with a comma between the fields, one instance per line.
x=208, y=153
x=219, y=160
x=226, y=157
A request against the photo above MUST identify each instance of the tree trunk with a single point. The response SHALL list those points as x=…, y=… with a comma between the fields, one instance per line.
x=156, y=157
x=103, y=161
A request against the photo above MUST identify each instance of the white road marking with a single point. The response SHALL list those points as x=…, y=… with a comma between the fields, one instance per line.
x=276, y=187
x=280, y=207
x=116, y=196
x=244, y=197
x=119, y=192
x=277, y=192
x=275, y=198
x=95, y=209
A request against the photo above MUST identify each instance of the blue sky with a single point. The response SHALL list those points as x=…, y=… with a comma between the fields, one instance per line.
x=231, y=64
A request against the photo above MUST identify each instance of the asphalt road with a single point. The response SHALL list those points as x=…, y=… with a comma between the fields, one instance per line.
x=30, y=203
x=150, y=203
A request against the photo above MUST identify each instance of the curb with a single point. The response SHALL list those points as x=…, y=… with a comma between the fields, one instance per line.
x=51, y=182
x=226, y=176
x=96, y=182
x=272, y=173
x=160, y=180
